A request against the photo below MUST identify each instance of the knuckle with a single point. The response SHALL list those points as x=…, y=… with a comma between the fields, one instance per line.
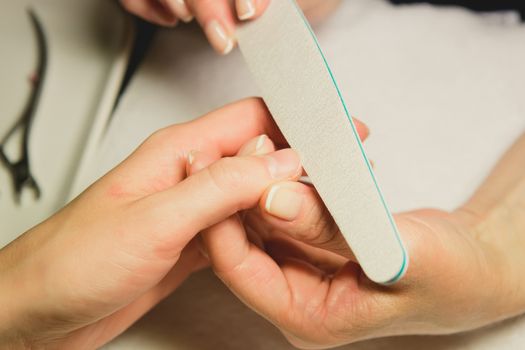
x=160, y=135
x=228, y=175
x=326, y=229
x=201, y=6
x=167, y=138
x=306, y=229
x=318, y=228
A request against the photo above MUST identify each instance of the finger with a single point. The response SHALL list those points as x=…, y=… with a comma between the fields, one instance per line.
x=253, y=275
x=227, y=129
x=150, y=10
x=198, y=161
x=176, y=215
x=223, y=132
x=217, y=20
x=280, y=249
x=275, y=242
x=274, y=290
x=227, y=241
x=257, y=146
x=179, y=8
x=220, y=133
x=250, y=9
x=315, y=10
x=296, y=210
x=230, y=236
x=362, y=129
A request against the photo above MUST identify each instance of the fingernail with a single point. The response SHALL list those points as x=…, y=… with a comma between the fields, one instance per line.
x=182, y=10
x=219, y=38
x=191, y=157
x=254, y=146
x=283, y=203
x=283, y=164
x=245, y=9
x=365, y=130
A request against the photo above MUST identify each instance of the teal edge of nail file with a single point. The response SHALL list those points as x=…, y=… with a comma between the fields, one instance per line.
x=300, y=91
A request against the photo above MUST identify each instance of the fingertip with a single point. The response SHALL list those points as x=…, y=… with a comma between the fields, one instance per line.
x=245, y=9
x=362, y=129
x=220, y=37
x=283, y=165
x=180, y=9
x=218, y=22
x=250, y=9
x=196, y=161
x=295, y=210
x=283, y=201
x=257, y=146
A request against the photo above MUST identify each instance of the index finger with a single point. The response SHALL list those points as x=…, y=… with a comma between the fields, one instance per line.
x=160, y=162
x=227, y=129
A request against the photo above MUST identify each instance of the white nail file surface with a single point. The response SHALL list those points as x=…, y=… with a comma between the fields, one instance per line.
x=300, y=91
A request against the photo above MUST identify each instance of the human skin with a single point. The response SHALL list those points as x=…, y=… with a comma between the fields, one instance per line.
x=467, y=266
x=218, y=18
x=88, y=272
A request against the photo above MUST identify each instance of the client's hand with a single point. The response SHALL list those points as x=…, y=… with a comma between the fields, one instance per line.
x=467, y=267
x=87, y=273
x=218, y=18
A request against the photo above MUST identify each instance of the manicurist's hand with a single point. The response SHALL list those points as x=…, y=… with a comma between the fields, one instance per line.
x=218, y=18
x=467, y=267
x=83, y=276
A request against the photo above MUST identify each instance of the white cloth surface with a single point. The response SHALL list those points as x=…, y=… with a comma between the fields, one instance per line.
x=440, y=88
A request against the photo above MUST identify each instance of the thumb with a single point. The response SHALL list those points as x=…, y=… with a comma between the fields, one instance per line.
x=211, y=195
x=295, y=210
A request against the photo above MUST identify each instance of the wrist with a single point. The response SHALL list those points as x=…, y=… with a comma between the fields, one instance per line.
x=11, y=318
x=500, y=231
x=22, y=298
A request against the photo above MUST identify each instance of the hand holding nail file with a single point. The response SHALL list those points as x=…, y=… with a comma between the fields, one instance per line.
x=300, y=91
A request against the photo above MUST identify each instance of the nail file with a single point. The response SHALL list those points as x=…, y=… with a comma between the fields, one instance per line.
x=300, y=91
